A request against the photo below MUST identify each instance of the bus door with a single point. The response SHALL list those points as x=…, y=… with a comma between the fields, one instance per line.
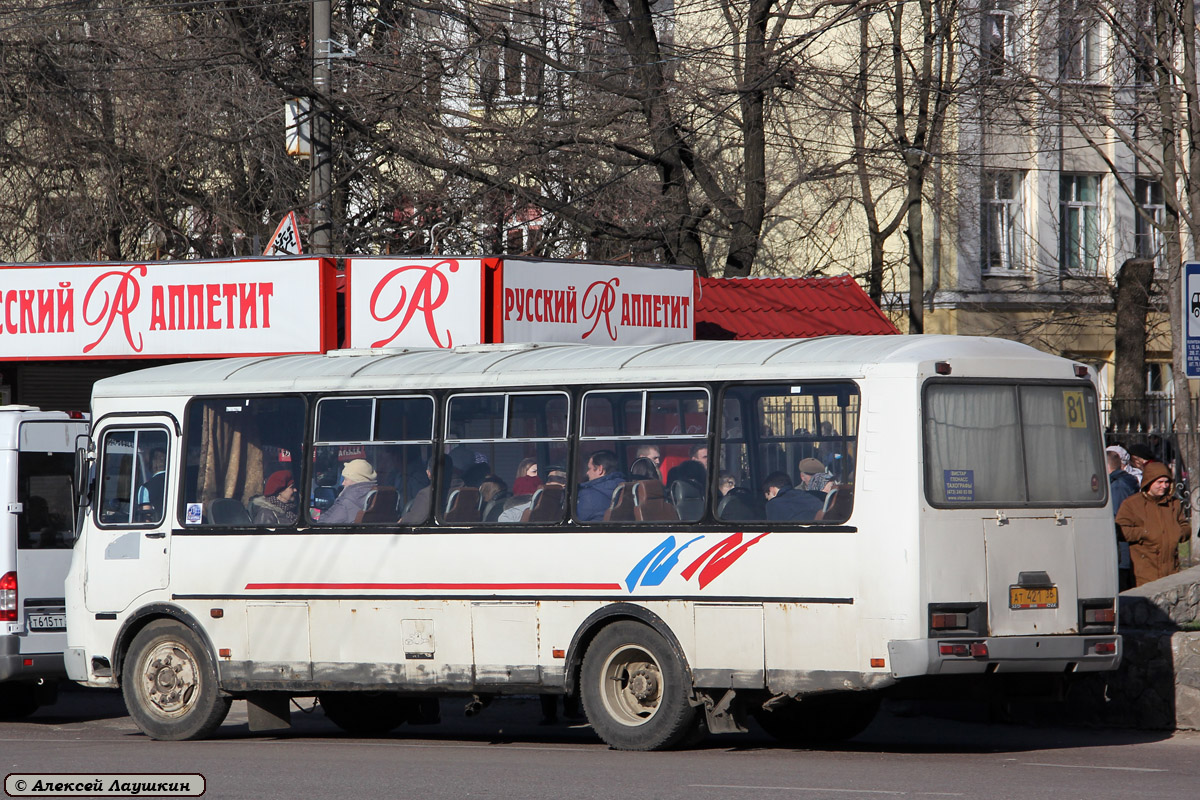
x=45, y=528
x=131, y=511
x=1031, y=576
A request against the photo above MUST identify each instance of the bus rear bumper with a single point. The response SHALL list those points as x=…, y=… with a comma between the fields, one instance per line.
x=911, y=657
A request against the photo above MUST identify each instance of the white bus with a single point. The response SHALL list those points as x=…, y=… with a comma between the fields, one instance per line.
x=37, y=530
x=782, y=529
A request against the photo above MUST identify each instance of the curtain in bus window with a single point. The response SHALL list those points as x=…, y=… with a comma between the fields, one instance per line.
x=231, y=459
x=1061, y=446
x=973, y=444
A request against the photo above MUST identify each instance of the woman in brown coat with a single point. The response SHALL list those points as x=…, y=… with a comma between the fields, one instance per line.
x=1154, y=524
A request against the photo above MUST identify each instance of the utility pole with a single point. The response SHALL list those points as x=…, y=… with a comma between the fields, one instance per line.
x=320, y=180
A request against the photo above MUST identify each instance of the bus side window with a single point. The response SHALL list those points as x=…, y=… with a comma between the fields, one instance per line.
x=133, y=477
x=798, y=440
x=501, y=451
x=236, y=446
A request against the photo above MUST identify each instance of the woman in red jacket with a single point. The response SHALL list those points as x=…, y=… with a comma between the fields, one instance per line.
x=1154, y=524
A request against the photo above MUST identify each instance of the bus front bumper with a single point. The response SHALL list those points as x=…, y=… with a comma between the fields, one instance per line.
x=911, y=657
x=17, y=666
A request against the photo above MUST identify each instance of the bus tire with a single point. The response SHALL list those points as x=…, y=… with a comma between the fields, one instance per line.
x=169, y=681
x=368, y=713
x=820, y=719
x=635, y=690
x=18, y=700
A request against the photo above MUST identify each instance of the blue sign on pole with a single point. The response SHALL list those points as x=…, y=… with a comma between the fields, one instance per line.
x=1191, y=316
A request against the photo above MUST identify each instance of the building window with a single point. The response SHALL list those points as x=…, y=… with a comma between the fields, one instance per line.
x=1079, y=50
x=1000, y=210
x=510, y=72
x=1148, y=223
x=1142, y=48
x=1079, y=212
x=1159, y=380
x=998, y=38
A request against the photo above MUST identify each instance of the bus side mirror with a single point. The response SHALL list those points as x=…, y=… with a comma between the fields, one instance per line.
x=82, y=483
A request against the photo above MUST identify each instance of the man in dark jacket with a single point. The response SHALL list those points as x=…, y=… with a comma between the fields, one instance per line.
x=786, y=504
x=595, y=494
x=1121, y=485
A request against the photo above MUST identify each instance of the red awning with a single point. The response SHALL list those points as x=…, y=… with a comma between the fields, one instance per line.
x=784, y=308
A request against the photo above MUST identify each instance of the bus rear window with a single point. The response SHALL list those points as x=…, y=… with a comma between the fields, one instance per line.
x=991, y=444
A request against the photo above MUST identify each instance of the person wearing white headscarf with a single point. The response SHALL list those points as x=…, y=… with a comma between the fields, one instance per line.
x=358, y=480
x=1125, y=465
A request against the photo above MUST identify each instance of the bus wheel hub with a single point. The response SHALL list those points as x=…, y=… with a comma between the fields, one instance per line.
x=643, y=684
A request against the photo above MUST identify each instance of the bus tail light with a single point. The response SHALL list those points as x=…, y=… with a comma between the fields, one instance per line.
x=958, y=619
x=963, y=649
x=8, y=597
x=1098, y=615
x=1105, y=648
x=944, y=622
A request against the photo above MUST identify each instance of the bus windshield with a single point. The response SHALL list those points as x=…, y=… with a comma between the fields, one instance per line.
x=1008, y=444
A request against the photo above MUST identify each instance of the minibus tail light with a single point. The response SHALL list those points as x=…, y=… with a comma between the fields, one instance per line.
x=8, y=597
x=942, y=367
x=1081, y=371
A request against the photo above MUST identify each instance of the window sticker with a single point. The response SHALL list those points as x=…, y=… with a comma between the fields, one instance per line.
x=194, y=513
x=1074, y=409
x=960, y=485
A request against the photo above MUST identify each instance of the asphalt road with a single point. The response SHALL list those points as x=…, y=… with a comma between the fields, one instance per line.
x=504, y=753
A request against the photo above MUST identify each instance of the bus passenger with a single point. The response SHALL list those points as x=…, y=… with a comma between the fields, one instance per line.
x=516, y=506
x=150, y=494
x=813, y=476
x=595, y=494
x=726, y=482
x=651, y=452
x=277, y=504
x=785, y=503
x=643, y=469
x=358, y=477
x=422, y=503
x=526, y=470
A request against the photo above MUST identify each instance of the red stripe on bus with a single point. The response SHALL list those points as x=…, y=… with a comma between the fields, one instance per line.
x=440, y=586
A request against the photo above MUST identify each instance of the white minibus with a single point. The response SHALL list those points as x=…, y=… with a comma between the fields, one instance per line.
x=37, y=530
x=684, y=535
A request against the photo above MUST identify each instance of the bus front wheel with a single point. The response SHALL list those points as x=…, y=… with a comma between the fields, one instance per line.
x=169, y=682
x=635, y=690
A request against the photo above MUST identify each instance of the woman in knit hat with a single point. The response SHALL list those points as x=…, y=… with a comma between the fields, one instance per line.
x=277, y=504
x=358, y=480
x=1154, y=524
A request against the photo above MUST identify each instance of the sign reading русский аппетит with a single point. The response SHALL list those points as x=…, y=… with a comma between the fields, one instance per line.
x=164, y=309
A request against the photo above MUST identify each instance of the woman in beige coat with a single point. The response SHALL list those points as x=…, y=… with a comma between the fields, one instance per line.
x=1154, y=524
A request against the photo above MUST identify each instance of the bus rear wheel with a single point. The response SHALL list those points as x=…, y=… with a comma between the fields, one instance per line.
x=820, y=719
x=635, y=690
x=169, y=682
x=18, y=700
x=373, y=713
